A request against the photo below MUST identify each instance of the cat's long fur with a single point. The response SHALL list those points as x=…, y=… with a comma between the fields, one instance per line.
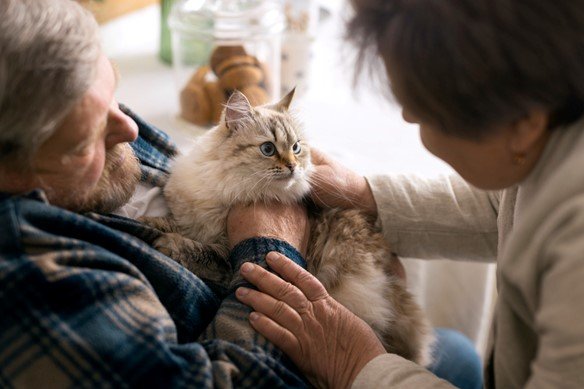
x=347, y=253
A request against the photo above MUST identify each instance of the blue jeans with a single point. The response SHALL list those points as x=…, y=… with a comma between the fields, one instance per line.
x=456, y=360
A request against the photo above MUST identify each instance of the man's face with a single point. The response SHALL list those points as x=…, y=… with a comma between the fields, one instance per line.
x=87, y=164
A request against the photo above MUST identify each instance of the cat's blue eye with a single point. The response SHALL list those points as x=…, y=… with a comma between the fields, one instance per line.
x=296, y=148
x=268, y=149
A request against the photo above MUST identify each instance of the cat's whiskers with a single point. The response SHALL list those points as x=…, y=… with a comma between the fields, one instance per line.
x=266, y=179
x=244, y=188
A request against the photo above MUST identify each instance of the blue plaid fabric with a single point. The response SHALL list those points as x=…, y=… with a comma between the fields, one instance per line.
x=154, y=149
x=86, y=302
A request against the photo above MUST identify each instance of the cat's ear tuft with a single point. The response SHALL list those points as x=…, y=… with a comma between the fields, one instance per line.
x=237, y=109
x=284, y=103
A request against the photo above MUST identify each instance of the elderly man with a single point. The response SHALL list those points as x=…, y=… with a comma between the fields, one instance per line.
x=85, y=300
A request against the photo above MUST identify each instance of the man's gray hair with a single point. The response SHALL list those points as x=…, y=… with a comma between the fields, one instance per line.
x=48, y=58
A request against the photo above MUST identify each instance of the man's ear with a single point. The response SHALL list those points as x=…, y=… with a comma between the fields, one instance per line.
x=529, y=131
x=284, y=103
x=237, y=110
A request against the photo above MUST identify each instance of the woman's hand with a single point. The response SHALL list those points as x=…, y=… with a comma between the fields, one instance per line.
x=285, y=222
x=325, y=340
x=337, y=186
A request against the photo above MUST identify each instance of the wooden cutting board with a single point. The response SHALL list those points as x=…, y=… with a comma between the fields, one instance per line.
x=106, y=10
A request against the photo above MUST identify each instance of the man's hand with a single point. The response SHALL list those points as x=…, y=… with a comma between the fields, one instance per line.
x=286, y=222
x=334, y=185
x=327, y=342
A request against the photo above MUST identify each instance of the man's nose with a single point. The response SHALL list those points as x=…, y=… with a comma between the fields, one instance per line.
x=121, y=128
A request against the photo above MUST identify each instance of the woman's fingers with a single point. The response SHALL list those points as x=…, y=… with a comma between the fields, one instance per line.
x=317, y=157
x=275, y=333
x=275, y=286
x=306, y=282
x=277, y=310
x=327, y=342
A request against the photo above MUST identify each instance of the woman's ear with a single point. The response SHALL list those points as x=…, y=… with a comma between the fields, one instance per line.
x=237, y=109
x=529, y=132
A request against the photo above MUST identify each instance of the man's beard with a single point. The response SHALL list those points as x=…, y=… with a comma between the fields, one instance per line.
x=118, y=181
x=121, y=175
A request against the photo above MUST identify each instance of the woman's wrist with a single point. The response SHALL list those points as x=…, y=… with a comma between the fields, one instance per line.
x=366, y=199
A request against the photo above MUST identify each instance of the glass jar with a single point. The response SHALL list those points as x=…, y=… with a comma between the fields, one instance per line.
x=220, y=46
x=297, y=44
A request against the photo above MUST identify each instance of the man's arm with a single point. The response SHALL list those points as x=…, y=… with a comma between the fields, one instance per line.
x=231, y=323
x=85, y=305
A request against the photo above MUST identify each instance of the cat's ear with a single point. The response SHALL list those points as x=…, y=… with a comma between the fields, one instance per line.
x=284, y=103
x=237, y=110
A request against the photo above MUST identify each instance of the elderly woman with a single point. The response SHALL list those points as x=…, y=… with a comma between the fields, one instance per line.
x=497, y=89
x=85, y=301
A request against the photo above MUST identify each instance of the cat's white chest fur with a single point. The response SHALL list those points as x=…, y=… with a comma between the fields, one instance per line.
x=195, y=201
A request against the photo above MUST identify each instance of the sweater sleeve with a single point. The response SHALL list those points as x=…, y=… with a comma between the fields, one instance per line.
x=393, y=371
x=230, y=325
x=442, y=218
x=559, y=309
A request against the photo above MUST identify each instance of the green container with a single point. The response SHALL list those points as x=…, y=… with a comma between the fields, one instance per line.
x=165, y=42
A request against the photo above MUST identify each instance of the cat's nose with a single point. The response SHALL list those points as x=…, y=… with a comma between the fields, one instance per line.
x=291, y=166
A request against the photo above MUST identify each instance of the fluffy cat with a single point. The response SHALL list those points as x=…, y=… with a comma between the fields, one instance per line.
x=257, y=154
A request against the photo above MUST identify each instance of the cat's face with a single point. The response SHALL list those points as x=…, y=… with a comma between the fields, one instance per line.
x=265, y=149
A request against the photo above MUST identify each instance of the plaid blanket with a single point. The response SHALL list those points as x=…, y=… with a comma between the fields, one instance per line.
x=86, y=302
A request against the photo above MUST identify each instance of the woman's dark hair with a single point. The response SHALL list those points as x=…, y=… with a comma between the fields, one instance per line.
x=468, y=65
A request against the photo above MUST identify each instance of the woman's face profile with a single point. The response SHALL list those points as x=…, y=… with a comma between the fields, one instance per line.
x=489, y=162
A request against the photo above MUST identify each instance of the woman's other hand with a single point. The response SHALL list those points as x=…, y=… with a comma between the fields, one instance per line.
x=334, y=185
x=325, y=340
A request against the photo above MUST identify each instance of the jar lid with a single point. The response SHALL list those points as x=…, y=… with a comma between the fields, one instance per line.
x=228, y=19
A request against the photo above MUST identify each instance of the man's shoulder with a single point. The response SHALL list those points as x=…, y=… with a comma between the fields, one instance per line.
x=29, y=220
x=14, y=207
x=34, y=233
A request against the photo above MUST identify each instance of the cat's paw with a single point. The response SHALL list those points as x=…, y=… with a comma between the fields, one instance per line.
x=164, y=224
x=174, y=246
x=205, y=261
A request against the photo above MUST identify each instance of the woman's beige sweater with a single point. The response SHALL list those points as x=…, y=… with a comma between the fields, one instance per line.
x=536, y=234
